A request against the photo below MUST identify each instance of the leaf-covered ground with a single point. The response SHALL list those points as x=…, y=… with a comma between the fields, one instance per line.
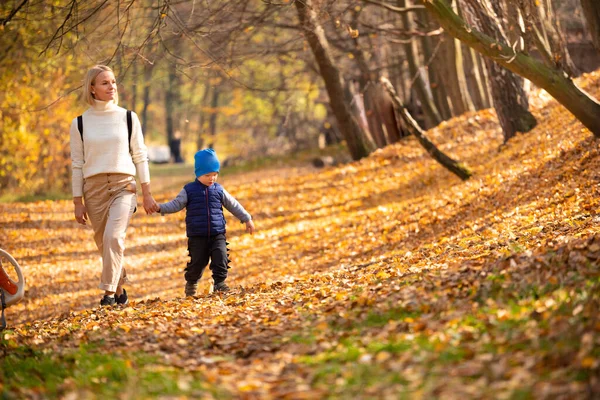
x=384, y=278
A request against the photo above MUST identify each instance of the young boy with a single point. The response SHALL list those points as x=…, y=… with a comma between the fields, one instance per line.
x=204, y=200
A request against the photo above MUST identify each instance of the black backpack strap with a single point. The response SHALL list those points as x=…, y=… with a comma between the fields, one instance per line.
x=80, y=126
x=129, y=127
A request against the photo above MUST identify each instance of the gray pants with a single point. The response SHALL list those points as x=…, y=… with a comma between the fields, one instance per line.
x=110, y=201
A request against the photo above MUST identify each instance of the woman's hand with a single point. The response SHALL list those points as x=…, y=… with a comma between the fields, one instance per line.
x=80, y=211
x=150, y=205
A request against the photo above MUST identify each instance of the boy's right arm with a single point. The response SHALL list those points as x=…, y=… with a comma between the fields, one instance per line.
x=175, y=205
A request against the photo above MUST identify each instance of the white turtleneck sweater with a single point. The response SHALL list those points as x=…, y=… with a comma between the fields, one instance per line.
x=104, y=149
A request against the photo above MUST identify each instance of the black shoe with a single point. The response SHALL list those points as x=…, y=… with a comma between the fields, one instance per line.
x=122, y=299
x=108, y=301
x=191, y=288
x=221, y=287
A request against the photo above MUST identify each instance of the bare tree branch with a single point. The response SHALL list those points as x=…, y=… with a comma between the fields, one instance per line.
x=400, y=10
x=435, y=32
x=447, y=162
x=12, y=13
x=67, y=18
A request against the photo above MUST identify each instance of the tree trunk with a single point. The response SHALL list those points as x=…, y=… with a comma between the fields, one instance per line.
x=397, y=76
x=591, y=11
x=201, y=118
x=412, y=53
x=391, y=122
x=436, y=67
x=369, y=105
x=212, y=120
x=134, y=80
x=583, y=107
x=148, y=68
x=379, y=109
x=170, y=101
x=373, y=114
x=456, y=168
x=357, y=109
x=510, y=100
x=435, y=70
x=334, y=82
x=475, y=73
x=455, y=80
x=456, y=83
x=476, y=81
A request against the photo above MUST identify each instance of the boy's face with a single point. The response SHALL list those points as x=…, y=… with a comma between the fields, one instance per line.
x=208, y=179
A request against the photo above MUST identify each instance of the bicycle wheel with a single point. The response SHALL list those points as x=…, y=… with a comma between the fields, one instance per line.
x=12, y=280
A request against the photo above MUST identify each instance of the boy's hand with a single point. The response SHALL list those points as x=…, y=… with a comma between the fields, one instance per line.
x=250, y=227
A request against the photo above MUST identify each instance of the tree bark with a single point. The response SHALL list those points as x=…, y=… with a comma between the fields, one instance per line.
x=583, y=106
x=334, y=82
x=456, y=168
x=591, y=11
x=510, y=100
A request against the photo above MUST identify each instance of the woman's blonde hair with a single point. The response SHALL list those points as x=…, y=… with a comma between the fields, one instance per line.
x=90, y=80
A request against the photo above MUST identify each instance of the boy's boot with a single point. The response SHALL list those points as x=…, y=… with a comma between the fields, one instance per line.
x=191, y=288
x=221, y=287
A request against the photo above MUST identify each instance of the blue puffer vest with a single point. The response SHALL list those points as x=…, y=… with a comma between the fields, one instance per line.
x=204, y=215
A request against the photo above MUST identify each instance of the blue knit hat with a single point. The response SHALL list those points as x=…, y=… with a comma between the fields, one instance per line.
x=206, y=161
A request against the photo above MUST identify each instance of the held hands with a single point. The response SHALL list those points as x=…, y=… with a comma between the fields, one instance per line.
x=150, y=205
x=250, y=227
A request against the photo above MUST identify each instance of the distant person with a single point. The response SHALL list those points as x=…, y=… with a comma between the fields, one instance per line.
x=107, y=149
x=175, y=146
x=204, y=200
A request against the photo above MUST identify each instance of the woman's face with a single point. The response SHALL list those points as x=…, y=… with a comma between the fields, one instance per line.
x=105, y=86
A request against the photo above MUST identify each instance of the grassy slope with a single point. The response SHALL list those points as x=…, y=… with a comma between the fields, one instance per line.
x=385, y=277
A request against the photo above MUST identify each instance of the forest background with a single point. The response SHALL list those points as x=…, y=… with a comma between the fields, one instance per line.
x=247, y=77
x=456, y=256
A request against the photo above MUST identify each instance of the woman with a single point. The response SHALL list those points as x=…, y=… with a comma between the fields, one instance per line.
x=104, y=164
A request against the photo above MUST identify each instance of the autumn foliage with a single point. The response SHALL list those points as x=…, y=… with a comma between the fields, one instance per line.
x=384, y=278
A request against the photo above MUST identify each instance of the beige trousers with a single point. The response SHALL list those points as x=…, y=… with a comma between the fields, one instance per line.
x=110, y=201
